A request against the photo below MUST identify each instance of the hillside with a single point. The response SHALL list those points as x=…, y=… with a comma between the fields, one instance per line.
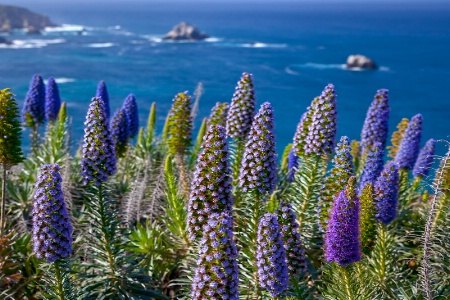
x=13, y=17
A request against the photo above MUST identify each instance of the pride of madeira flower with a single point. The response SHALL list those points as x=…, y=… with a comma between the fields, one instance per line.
x=218, y=115
x=386, y=193
x=52, y=230
x=52, y=100
x=131, y=110
x=98, y=154
x=271, y=256
x=410, y=145
x=258, y=171
x=242, y=108
x=342, y=244
x=425, y=159
x=211, y=186
x=102, y=92
x=376, y=124
x=335, y=182
x=180, y=124
x=373, y=166
x=33, y=112
x=120, y=131
x=216, y=275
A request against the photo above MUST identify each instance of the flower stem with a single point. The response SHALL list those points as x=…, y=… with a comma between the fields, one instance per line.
x=2, y=212
x=59, y=283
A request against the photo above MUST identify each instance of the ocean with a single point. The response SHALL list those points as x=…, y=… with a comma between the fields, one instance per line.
x=293, y=49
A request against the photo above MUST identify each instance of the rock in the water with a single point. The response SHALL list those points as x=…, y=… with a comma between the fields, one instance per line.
x=4, y=41
x=12, y=17
x=360, y=61
x=185, y=31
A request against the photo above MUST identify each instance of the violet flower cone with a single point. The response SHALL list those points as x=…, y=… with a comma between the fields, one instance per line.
x=98, y=154
x=52, y=100
x=242, y=108
x=342, y=244
x=295, y=253
x=216, y=275
x=218, y=115
x=120, y=131
x=386, y=193
x=425, y=159
x=102, y=92
x=373, y=166
x=409, y=148
x=258, y=171
x=376, y=124
x=321, y=136
x=131, y=110
x=33, y=111
x=52, y=230
x=211, y=185
x=271, y=256
x=335, y=182
x=292, y=164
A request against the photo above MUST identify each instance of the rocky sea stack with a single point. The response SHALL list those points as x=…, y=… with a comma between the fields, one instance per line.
x=185, y=31
x=361, y=62
x=13, y=17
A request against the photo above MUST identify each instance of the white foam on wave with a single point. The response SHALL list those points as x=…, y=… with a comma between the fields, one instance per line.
x=32, y=43
x=213, y=40
x=100, y=45
x=67, y=28
x=263, y=45
x=317, y=66
x=152, y=38
x=62, y=80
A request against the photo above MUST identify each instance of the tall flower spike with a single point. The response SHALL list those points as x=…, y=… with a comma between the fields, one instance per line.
x=335, y=182
x=219, y=114
x=292, y=164
x=33, y=112
x=342, y=243
x=367, y=219
x=10, y=130
x=321, y=136
x=242, y=108
x=119, y=131
x=180, y=124
x=397, y=137
x=425, y=159
x=258, y=171
x=52, y=100
x=216, y=275
x=295, y=253
x=131, y=110
x=376, y=125
x=211, y=186
x=271, y=256
x=301, y=132
x=98, y=154
x=373, y=166
x=52, y=231
x=409, y=148
x=102, y=92
x=386, y=193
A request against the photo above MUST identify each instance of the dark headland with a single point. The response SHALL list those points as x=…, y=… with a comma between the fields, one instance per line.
x=18, y=18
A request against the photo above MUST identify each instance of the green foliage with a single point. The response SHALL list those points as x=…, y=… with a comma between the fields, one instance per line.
x=179, y=125
x=10, y=130
x=397, y=138
x=58, y=277
x=196, y=150
x=284, y=158
x=367, y=221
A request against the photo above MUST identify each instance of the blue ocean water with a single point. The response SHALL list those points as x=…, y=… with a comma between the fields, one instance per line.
x=293, y=49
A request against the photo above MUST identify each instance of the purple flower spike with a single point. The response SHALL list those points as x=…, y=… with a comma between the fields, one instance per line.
x=292, y=164
x=52, y=100
x=376, y=125
x=373, y=166
x=33, y=112
x=211, y=186
x=321, y=136
x=52, y=231
x=216, y=275
x=131, y=109
x=259, y=164
x=98, y=154
x=242, y=108
x=295, y=253
x=119, y=131
x=271, y=257
x=409, y=148
x=301, y=132
x=425, y=159
x=102, y=92
x=342, y=244
x=386, y=193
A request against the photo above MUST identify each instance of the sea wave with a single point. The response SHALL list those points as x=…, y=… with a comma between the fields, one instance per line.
x=213, y=40
x=62, y=80
x=310, y=65
x=32, y=43
x=100, y=45
x=263, y=45
x=67, y=28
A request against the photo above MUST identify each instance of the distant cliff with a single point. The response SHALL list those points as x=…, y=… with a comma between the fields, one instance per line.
x=13, y=17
